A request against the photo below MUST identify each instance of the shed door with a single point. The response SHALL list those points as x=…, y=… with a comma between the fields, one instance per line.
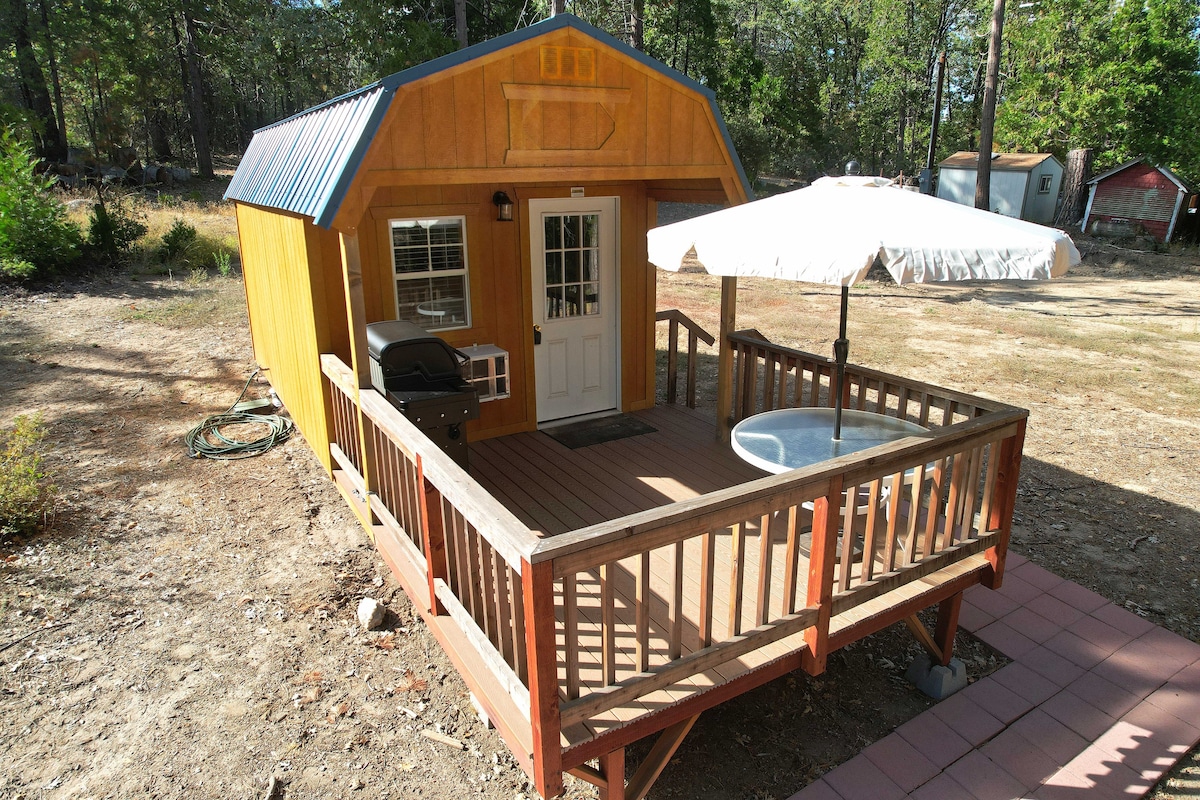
x=575, y=305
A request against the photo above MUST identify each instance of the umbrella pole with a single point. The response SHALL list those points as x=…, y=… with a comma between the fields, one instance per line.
x=841, y=350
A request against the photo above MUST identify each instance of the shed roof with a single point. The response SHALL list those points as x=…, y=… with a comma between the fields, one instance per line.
x=1132, y=162
x=1017, y=162
x=306, y=163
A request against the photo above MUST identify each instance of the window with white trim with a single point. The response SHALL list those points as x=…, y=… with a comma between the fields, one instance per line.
x=1045, y=181
x=429, y=261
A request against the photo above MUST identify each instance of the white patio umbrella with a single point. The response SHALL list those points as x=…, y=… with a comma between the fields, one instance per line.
x=832, y=231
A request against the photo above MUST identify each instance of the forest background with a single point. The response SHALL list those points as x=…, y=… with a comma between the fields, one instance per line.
x=804, y=85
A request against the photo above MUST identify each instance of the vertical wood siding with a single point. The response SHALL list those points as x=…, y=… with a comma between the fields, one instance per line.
x=296, y=312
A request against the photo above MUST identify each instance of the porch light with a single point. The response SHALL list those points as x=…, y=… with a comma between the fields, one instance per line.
x=504, y=205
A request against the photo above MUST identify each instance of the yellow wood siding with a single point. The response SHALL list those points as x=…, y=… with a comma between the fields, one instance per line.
x=296, y=315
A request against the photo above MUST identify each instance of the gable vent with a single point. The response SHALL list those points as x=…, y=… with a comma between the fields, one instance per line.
x=569, y=63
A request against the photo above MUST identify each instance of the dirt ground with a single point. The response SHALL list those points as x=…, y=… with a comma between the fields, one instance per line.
x=193, y=622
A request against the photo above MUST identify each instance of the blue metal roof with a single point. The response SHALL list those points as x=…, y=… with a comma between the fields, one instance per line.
x=305, y=163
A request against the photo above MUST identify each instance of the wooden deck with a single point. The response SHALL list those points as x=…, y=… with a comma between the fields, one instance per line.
x=595, y=596
x=555, y=490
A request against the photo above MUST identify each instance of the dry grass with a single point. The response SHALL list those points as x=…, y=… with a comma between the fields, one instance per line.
x=1003, y=341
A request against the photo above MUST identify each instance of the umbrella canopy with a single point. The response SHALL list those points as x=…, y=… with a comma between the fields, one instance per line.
x=832, y=232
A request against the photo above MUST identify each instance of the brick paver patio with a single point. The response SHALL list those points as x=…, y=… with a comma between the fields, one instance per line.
x=1097, y=703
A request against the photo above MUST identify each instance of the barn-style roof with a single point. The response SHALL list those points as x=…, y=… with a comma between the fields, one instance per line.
x=306, y=163
x=1017, y=162
x=1171, y=176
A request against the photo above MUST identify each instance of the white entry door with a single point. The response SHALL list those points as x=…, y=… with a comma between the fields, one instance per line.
x=575, y=305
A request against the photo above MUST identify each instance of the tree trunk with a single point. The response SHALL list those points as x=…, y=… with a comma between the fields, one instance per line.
x=47, y=140
x=987, y=121
x=558, y=7
x=1078, y=173
x=194, y=91
x=55, y=81
x=460, y=22
x=637, y=13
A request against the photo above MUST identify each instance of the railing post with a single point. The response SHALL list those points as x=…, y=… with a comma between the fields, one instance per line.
x=1007, y=476
x=725, y=358
x=672, y=359
x=537, y=583
x=433, y=538
x=822, y=554
x=693, y=338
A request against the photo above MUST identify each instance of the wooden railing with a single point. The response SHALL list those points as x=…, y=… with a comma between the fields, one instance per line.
x=458, y=544
x=768, y=376
x=676, y=318
x=582, y=627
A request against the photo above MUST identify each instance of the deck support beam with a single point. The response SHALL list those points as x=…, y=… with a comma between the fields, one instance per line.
x=658, y=758
x=725, y=358
x=941, y=643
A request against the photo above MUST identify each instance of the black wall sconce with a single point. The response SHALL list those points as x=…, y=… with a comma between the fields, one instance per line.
x=504, y=206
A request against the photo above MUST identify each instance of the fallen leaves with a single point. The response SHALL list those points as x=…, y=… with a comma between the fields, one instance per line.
x=385, y=642
x=411, y=683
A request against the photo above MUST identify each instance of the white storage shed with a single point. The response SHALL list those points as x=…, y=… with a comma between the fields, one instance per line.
x=1024, y=185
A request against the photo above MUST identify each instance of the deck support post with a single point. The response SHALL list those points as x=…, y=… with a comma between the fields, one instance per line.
x=947, y=626
x=725, y=358
x=537, y=586
x=1009, y=473
x=433, y=538
x=941, y=644
x=360, y=361
x=820, y=576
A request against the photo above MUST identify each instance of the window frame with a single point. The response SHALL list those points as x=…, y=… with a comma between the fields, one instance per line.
x=463, y=272
x=1045, y=182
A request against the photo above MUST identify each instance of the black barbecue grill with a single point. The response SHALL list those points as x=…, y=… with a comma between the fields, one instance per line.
x=422, y=377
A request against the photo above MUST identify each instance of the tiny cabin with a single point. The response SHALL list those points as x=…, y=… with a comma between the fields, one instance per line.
x=498, y=197
x=1024, y=185
x=496, y=202
x=1135, y=198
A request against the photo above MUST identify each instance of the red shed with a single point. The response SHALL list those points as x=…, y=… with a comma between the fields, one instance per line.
x=1133, y=197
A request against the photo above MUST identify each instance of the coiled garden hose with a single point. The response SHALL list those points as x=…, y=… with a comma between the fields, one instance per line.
x=207, y=440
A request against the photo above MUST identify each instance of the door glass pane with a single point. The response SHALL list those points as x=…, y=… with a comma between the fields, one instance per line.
x=554, y=302
x=554, y=270
x=572, y=265
x=570, y=231
x=571, y=275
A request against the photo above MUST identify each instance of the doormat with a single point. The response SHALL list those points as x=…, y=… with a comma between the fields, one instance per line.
x=598, y=431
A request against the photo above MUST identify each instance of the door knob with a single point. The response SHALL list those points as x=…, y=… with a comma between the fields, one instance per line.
x=537, y=334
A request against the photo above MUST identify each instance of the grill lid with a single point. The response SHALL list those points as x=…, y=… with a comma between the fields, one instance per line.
x=403, y=348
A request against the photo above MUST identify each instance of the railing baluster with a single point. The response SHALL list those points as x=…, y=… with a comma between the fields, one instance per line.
x=571, y=635
x=791, y=562
x=849, y=511
x=608, y=632
x=708, y=565
x=676, y=643
x=737, y=567
x=763, y=601
x=642, y=613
